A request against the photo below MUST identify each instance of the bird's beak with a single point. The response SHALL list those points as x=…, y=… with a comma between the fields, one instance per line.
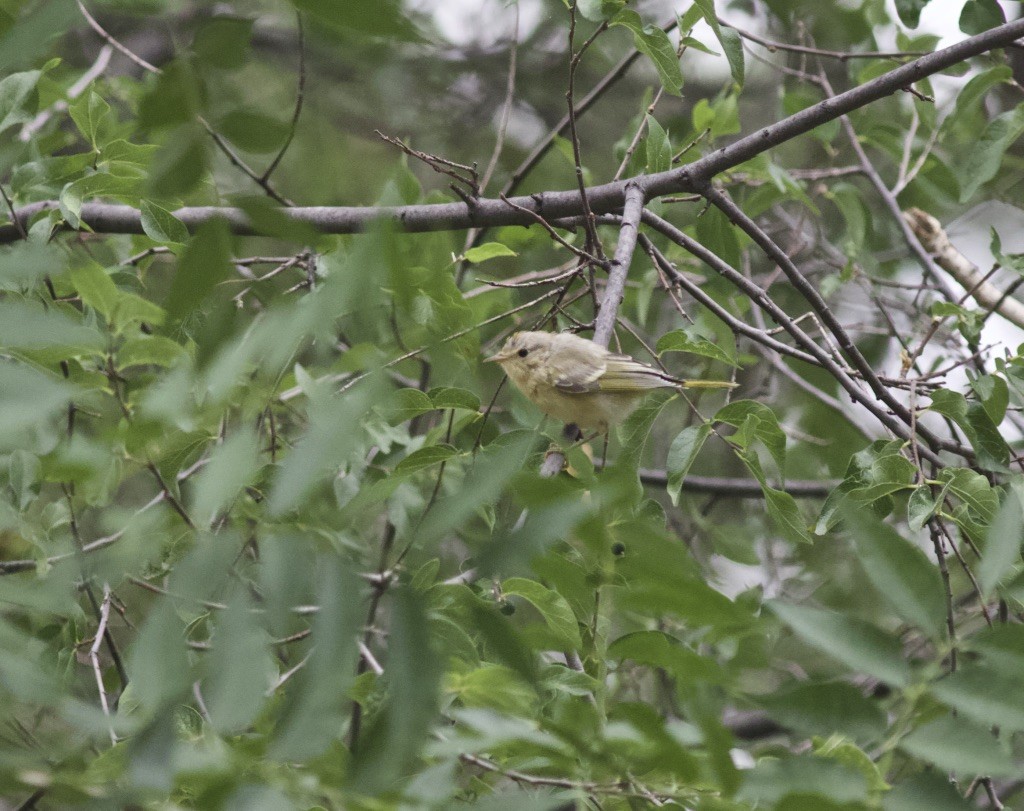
x=497, y=358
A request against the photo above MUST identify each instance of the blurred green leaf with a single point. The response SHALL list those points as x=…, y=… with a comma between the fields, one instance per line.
x=253, y=131
x=399, y=731
x=983, y=161
x=15, y=90
x=29, y=397
x=240, y=667
x=233, y=464
x=899, y=571
x=223, y=41
x=986, y=695
x=910, y=11
x=317, y=707
x=822, y=708
x=979, y=16
x=960, y=747
x=1003, y=544
x=657, y=649
x=205, y=261
x=853, y=642
x=927, y=791
x=382, y=18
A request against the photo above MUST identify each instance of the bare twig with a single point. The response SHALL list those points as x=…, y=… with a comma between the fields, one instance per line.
x=94, y=657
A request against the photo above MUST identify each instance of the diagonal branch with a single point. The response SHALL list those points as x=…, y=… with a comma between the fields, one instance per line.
x=603, y=199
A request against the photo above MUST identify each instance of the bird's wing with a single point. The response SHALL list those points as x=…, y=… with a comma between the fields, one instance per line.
x=623, y=373
x=578, y=375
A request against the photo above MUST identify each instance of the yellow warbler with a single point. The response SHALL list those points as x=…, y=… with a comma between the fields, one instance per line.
x=577, y=381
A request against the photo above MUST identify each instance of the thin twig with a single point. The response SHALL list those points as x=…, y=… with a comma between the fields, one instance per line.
x=94, y=657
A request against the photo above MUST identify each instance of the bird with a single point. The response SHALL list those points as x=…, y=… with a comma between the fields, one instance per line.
x=581, y=382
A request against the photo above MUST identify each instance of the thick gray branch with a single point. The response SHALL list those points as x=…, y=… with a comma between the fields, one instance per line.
x=604, y=324
x=606, y=198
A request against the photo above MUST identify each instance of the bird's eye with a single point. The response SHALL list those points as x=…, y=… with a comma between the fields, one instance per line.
x=523, y=353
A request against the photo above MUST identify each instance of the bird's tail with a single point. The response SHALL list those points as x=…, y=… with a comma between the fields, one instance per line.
x=706, y=384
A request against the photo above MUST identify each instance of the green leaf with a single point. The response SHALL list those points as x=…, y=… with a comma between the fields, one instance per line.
x=489, y=250
x=14, y=92
x=397, y=733
x=599, y=10
x=729, y=39
x=175, y=98
x=326, y=446
x=158, y=661
x=657, y=649
x=985, y=694
x=93, y=117
x=959, y=746
x=204, y=263
x=681, y=341
x=405, y=404
x=1003, y=544
x=824, y=708
x=96, y=288
x=654, y=43
x=27, y=325
x=979, y=16
x=379, y=18
x=973, y=490
x=239, y=668
x=984, y=159
x=926, y=791
x=552, y=606
x=633, y=433
x=972, y=417
x=148, y=350
x=853, y=642
x=223, y=41
x=317, y=707
x=811, y=778
x=233, y=464
x=974, y=91
x=781, y=506
x=448, y=397
x=161, y=225
x=253, y=131
x=994, y=394
x=899, y=571
x=659, y=148
x=424, y=458
x=783, y=510
x=921, y=506
x=182, y=163
x=910, y=11
x=758, y=421
x=681, y=455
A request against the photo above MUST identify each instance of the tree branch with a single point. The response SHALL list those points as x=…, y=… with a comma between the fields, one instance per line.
x=605, y=198
x=628, y=231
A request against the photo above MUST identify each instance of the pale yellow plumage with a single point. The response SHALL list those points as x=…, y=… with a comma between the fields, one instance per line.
x=577, y=381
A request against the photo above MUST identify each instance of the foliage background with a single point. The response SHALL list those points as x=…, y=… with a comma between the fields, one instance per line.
x=264, y=544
